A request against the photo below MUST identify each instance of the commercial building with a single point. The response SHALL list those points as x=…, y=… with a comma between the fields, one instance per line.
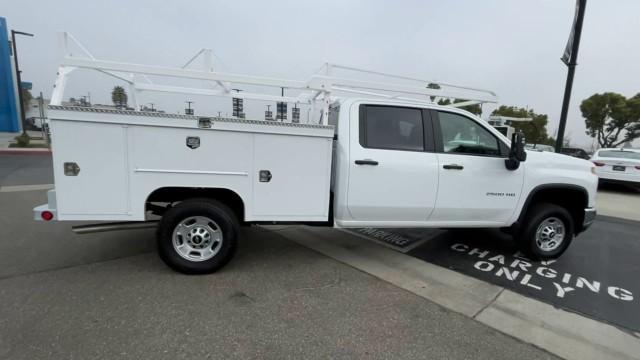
x=8, y=88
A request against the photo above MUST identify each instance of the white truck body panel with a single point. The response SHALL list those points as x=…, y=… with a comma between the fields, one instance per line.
x=411, y=189
x=124, y=156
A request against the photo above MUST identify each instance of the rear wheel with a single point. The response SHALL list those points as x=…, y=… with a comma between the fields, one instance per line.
x=198, y=236
x=547, y=233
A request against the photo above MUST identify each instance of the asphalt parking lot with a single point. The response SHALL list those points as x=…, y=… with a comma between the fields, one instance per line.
x=30, y=169
x=107, y=295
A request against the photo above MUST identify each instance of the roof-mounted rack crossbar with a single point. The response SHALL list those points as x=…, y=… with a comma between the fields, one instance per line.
x=323, y=85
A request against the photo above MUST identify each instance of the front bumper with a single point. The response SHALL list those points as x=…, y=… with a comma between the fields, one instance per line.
x=589, y=218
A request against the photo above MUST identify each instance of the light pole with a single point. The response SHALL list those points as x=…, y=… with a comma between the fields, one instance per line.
x=18, y=77
x=570, y=59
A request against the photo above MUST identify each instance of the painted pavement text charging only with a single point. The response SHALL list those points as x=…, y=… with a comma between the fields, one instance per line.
x=598, y=276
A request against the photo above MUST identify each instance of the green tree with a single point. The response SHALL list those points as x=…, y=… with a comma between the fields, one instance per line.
x=474, y=109
x=611, y=118
x=119, y=97
x=535, y=131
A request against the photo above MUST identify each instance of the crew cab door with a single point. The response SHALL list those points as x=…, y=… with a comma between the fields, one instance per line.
x=393, y=171
x=475, y=186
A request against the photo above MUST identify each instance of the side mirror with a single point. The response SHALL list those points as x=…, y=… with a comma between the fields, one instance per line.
x=516, y=153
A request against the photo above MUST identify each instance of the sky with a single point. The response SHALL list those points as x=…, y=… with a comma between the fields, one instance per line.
x=510, y=47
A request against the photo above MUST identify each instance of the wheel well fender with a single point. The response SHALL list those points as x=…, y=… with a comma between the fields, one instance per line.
x=574, y=198
x=174, y=194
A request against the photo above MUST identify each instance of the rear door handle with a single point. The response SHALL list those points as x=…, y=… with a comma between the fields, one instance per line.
x=453, y=167
x=366, y=162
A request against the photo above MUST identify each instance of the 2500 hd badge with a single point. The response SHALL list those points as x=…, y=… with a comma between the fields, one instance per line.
x=500, y=194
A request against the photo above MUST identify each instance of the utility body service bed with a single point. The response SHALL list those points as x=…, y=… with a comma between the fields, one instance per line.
x=124, y=156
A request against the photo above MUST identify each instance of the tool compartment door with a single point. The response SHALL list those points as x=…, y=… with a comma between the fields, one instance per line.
x=300, y=170
x=100, y=152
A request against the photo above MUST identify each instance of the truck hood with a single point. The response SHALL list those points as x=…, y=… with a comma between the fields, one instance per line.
x=559, y=161
x=545, y=168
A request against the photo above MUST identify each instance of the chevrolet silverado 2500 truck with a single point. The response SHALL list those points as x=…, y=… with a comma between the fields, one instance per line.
x=389, y=161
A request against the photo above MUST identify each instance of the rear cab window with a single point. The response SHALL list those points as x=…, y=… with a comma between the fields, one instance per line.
x=391, y=128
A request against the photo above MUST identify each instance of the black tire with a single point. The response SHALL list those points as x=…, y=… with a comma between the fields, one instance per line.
x=223, y=222
x=535, y=217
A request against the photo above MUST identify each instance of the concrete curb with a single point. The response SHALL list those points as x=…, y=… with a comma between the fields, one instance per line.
x=620, y=205
x=450, y=289
x=565, y=334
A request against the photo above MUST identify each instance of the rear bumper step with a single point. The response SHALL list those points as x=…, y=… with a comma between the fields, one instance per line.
x=115, y=226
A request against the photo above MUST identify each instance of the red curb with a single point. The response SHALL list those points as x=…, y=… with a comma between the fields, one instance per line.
x=11, y=151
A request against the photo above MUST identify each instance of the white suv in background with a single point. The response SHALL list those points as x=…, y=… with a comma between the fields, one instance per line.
x=618, y=165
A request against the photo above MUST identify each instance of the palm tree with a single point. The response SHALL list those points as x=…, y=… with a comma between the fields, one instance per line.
x=119, y=97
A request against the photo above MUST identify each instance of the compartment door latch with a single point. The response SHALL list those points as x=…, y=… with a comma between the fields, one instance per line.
x=71, y=169
x=265, y=176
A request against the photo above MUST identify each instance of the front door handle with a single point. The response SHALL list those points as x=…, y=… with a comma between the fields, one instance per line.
x=453, y=167
x=366, y=162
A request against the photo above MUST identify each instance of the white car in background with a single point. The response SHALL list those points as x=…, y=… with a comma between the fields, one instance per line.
x=540, y=147
x=617, y=165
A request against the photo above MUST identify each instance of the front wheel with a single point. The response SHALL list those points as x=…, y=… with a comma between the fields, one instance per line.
x=547, y=233
x=198, y=236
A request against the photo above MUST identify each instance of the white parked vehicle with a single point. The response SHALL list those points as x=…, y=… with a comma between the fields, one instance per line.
x=618, y=165
x=390, y=159
x=539, y=147
x=503, y=124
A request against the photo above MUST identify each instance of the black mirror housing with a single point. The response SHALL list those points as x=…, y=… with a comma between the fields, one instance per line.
x=517, y=154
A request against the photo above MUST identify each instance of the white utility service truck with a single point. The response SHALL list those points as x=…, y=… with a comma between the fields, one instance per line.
x=387, y=158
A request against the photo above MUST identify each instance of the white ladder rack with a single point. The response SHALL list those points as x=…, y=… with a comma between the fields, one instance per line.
x=321, y=86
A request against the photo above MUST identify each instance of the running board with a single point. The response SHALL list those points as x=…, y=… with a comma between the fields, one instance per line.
x=115, y=226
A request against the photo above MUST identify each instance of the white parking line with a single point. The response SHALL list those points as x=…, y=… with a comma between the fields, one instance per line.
x=18, y=188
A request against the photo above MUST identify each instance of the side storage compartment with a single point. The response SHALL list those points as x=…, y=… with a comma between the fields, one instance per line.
x=292, y=177
x=108, y=163
x=90, y=170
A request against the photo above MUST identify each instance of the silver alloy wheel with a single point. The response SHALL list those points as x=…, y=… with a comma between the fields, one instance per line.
x=197, y=238
x=550, y=234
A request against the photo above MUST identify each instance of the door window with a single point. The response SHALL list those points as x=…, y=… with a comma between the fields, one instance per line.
x=461, y=135
x=393, y=128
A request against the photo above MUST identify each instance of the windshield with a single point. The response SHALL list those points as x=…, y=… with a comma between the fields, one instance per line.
x=619, y=154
